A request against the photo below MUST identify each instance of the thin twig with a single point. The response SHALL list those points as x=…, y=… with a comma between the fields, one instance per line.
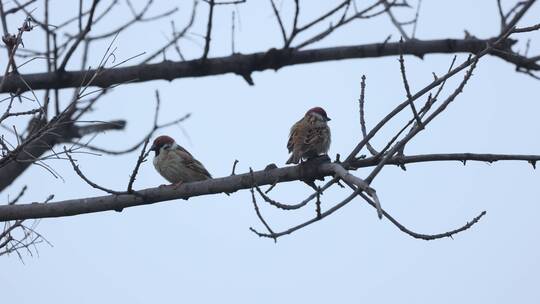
x=361, y=102
x=208, y=36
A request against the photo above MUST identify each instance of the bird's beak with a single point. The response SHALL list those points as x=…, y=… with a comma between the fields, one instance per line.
x=153, y=148
x=328, y=119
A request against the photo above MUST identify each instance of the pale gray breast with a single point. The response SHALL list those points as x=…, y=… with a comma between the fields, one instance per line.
x=324, y=133
x=170, y=166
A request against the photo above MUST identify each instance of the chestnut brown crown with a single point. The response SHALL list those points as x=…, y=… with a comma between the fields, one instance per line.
x=161, y=141
x=319, y=111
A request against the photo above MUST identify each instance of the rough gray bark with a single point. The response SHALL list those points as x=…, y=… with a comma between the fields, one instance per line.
x=153, y=195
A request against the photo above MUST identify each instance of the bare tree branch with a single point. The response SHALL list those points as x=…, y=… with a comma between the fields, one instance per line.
x=208, y=36
x=80, y=37
x=245, y=64
x=228, y=184
x=361, y=102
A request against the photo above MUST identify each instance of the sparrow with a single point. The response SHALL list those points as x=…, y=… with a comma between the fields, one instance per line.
x=310, y=136
x=175, y=163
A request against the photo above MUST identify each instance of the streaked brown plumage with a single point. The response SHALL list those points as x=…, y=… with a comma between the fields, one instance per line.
x=310, y=136
x=175, y=163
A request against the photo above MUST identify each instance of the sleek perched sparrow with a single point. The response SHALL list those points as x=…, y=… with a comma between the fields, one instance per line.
x=310, y=136
x=175, y=163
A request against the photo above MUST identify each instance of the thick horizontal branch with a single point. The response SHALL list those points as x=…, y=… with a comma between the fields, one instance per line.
x=227, y=184
x=246, y=64
x=159, y=194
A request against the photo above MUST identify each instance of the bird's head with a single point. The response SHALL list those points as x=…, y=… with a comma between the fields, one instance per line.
x=162, y=142
x=318, y=113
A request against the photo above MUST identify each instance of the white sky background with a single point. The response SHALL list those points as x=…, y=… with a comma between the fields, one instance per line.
x=202, y=251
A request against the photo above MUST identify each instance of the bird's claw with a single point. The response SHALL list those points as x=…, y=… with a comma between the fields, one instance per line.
x=177, y=185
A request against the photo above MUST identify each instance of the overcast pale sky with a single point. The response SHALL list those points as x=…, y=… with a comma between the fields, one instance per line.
x=202, y=251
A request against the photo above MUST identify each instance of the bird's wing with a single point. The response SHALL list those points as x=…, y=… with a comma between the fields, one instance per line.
x=190, y=162
x=296, y=131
